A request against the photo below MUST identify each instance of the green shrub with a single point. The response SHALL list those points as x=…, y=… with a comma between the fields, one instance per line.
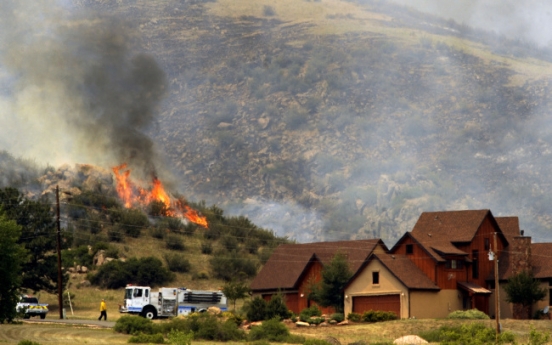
x=206, y=326
x=189, y=229
x=315, y=320
x=132, y=221
x=309, y=312
x=229, y=242
x=255, y=309
x=228, y=265
x=354, y=317
x=27, y=342
x=79, y=255
x=133, y=325
x=378, y=316
x=468, y=314
x=144, y=271
x=157, y=232
x=201, y=275
x=338, y=317
x=474, y=333
x=538, y=338
x=147, y=338
x=206, y=248
x=271, y=330
x=276, y=308
x=177, y=337
x=174, y=242
x=115, y=234
x=177, y=263
x=112, y=252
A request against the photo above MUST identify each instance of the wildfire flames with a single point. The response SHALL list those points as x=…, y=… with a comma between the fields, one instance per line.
x=131, y=194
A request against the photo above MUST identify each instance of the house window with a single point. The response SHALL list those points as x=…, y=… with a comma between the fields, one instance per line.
x=487, y=244
x=409, y=249
x=454, y=264
x=475, y=265
x=375, y=278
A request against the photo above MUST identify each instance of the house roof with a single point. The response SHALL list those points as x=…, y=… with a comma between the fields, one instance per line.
x=509, y=227
x=286, y=265
x=437, y=232
x=541, y=258
x=472, y=287
x=404, y=270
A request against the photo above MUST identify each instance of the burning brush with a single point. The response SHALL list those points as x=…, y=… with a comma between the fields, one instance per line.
x=131, y=194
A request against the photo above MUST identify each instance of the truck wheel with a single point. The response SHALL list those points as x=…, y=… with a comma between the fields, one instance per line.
x=149, y=313
x=43, y=316
x=26, y=316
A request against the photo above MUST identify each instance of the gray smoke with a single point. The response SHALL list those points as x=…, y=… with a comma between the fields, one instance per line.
x=527, y=20
x=75, y=88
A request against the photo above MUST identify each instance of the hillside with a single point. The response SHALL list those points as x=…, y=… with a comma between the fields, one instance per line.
x=338, y=119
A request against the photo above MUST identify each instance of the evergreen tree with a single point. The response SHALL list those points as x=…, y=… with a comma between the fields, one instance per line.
x=329, y=291
x=12, y=256
x=38, y=230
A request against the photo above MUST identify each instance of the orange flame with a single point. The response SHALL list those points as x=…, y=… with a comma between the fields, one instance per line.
x=132, y=194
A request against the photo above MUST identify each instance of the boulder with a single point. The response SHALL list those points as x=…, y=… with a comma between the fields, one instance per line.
x=99, y=258
x=410, y=340
x=302, y=324
x=214, y=310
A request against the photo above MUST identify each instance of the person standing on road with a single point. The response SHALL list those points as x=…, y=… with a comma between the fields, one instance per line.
x=103, y=311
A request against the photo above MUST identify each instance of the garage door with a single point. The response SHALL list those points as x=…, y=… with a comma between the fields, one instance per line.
x=390, y=303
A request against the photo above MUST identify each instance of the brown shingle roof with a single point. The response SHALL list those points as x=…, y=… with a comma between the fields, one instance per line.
x=406, y=271
x=541, y=259
x=439, y=230
x=287, y=263
x=509, y=227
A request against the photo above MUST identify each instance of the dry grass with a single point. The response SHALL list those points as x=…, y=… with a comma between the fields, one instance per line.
x=334, y=17
x=368, y=333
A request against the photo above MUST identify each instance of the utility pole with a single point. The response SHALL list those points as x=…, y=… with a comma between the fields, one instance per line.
x=60, y=281
x=497, y=308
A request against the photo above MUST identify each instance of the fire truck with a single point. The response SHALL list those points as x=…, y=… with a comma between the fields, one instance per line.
x=169, y=301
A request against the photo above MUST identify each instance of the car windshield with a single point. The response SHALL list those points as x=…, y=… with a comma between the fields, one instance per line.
x=128, y=293
x=29, y=300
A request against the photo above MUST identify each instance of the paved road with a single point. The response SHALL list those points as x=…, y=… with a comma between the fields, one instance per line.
x=95, y=323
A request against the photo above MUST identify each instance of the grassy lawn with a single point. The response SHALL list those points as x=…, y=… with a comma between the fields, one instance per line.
x=369, y=333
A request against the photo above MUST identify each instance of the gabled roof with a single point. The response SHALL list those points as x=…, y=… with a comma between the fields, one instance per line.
x=541, y=260
x=437, y=232
x=286, y=265
x=509, y=227
x=404, y=270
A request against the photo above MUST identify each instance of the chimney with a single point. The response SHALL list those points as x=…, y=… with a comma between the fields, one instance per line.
x=520, y=253
x=520, y=260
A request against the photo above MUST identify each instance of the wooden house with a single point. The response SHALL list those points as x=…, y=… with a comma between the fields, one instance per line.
x=293, y=267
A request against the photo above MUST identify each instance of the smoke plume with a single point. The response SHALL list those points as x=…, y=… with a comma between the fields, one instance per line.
x=76, y=87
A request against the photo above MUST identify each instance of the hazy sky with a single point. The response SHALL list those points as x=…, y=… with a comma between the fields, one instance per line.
x=530, y=19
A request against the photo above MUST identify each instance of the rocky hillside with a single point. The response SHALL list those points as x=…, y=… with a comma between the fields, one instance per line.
x=330, y=119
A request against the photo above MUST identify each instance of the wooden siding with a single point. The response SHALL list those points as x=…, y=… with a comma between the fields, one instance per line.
x=485, y=231
x=419, y=256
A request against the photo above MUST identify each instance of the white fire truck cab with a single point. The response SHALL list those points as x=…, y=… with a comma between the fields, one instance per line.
x=169, y=301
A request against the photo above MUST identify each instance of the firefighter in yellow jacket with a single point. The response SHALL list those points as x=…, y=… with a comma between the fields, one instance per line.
x=103, y=311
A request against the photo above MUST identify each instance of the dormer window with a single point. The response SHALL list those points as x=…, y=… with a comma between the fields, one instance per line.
x=453, y=264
